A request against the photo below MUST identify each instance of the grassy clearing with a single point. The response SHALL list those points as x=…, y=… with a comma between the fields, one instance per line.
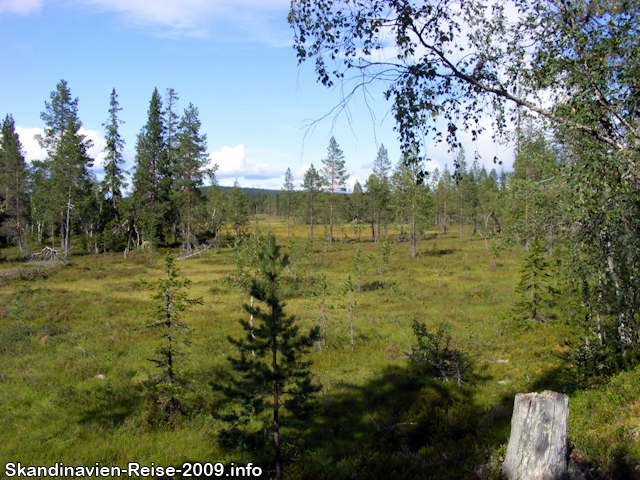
x=74, y=369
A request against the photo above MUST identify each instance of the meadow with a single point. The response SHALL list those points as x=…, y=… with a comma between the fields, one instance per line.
x=75, y=374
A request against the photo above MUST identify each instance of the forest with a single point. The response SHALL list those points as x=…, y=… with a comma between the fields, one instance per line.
x=320, y=331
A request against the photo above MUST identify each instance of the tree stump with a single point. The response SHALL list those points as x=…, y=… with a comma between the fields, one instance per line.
x=537, y=447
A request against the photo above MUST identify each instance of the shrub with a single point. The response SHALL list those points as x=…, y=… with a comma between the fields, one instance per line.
x=436, y=356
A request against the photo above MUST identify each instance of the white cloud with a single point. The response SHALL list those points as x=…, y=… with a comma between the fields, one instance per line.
x=190, y=17
x=20, y=7
x=95, y=152
x=232, y=164
x=32, y=150
x=30, y=145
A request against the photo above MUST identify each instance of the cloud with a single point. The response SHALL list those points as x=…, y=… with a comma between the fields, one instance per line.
x=20, y=7
x=96, y=152
x=191, y=17
x=232, y=164
x=32, y=150
x=30, y=145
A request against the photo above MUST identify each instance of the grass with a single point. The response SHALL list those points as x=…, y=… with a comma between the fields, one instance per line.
x=74, y=369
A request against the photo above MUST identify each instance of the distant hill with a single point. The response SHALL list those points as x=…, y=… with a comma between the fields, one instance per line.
x=250, y=192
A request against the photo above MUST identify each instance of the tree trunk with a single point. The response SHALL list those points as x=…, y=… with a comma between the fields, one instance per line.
x=537, y=447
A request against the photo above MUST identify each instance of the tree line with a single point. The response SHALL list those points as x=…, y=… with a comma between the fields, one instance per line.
x=59, y=199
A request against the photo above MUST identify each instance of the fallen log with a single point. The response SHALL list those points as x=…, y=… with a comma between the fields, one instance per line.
x=537, y=448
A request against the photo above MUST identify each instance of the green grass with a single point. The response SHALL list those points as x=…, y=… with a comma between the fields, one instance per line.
x=74, y=369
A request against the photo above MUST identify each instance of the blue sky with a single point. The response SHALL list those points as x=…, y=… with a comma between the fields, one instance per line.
x=231, y=58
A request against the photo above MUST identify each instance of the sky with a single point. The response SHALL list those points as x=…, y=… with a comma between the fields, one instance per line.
x=233, y=59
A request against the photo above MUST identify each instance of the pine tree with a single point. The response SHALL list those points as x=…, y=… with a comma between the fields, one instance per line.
x=14, y=175
x=189, y=172
x=272, y=384
x=288, y=190
x=67, y=166
x=335, y=177
x=356, y=208
x=166, y=315
x=312, y=184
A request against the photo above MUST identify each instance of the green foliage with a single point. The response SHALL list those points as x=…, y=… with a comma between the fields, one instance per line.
x=171, y=301
x=347, y=290
x=534, y=285
x=288, y=189
x=188, y=174
x=236, y=206
x=335, y=177
x=152, y=175
x=360, y=265
x=14, y=176
x=271, y=387
x=312, y=184
x=113, y=181
x=64, y=177
x=382, y=258
x=436, y=356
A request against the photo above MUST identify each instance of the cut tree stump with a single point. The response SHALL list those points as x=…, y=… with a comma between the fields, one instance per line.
x=537, y=447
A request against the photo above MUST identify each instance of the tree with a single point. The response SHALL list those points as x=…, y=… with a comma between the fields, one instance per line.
x=535, y=187
x=171, y=301
x=14, y=175
x=171, y=122
x=237, y=208
x=273, y=383
x=312, y=185
x=461, y=185
x=570, y=62
x=149, y=185
x=335, y=176
x=191, y=158
x=347, y=289
x=113, y=181
x=416, y=200
x=378, y=188
x=356, y=208
x=288, y=190
x=66, y=168
x=534, y=285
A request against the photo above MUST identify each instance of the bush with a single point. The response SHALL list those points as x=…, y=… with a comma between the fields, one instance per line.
x=436, y=356
x=594, y=362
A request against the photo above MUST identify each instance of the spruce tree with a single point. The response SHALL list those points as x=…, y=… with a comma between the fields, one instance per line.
x=272, y=384
x=335, y=177
x=113, y=181
x=171, y=301
x=14, y=175
x=236, y=206
x=189, y=172
x=534, y=285
x=149, y=183
x=288, y=189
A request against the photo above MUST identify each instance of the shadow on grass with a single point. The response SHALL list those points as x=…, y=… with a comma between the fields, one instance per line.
x=437, y=252
x=403, y=425
x=113, y=404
